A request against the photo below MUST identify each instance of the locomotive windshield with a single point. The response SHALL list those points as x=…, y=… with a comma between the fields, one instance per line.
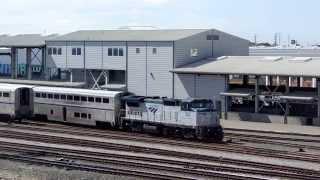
x=198, y=106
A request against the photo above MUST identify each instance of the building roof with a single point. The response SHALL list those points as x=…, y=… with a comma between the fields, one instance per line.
x=24, y=40
x=255, y=65
x=129, y=35
x=44, y=83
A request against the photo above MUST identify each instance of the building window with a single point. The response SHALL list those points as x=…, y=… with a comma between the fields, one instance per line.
x=59, y=51
x=137, y=50
x=120, y=51
x=49, y=51
x=115, y=52
x=109, y=51
x=74, y=51
x=194, y=52
x=154, y=50
x=54, y=51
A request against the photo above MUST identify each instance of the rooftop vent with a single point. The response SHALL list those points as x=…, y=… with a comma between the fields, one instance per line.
x=271, y=58
x=300, y=59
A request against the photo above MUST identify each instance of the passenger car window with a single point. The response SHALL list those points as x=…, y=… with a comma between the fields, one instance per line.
x=44, y=95
x=38, y=95
x=98, y=100
x=56, y=96
x=50, y=96
x=83, y=98
x=90, y=99
x=76, y=114
x=105, y=100
x=6, y=94
x=77, y=98
x=69, y=97
x=63, y=97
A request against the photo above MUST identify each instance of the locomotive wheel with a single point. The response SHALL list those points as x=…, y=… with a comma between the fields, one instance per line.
x=201, y=133
x=160, y=130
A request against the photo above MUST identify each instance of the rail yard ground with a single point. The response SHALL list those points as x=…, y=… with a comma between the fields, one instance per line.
x=38, y=149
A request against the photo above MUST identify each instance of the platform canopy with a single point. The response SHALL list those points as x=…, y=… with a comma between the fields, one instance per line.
x=255, y=65
x=24, y=40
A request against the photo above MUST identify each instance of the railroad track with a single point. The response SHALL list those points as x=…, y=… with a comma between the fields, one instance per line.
x=144, y=138
x=156, y=151
x=147, y=164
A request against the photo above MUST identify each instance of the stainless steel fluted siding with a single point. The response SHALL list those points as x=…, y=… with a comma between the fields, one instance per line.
x=184, y=86
x=183, y=47
x=73, y=61
x=159, y=79
x=93, y=55
x=137, y=80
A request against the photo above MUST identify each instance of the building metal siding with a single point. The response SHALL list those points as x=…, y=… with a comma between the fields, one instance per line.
x=75, y=61
x=184, y=46
x=114, y=62
x=184, y=86
x=57, y=61
x=285, y=52
x=229, y=45
x=137, y=68
x=159, y=79
x=93, y=55
x=199, y=86
x=209, y=86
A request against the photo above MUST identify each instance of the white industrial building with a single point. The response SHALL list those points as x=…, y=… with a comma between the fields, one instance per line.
x=139, y=60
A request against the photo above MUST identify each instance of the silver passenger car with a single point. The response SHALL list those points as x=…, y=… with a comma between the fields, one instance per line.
x=16, y=101
x=78, y=106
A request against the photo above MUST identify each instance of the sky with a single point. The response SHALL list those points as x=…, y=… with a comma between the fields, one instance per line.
x=296, y=19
